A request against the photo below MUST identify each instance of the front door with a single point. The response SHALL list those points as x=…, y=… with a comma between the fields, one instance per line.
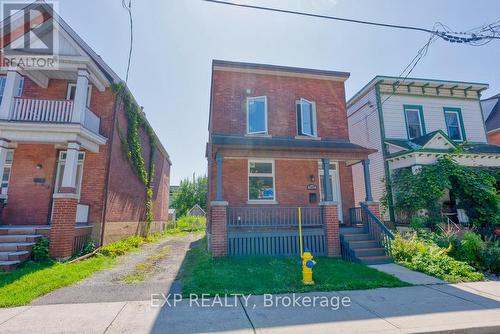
x=335, y=185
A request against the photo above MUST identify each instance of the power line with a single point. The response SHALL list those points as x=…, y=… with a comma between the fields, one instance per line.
x=448, y=35
x=128, y=7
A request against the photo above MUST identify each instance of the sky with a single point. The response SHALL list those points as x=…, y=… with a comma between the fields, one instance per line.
x=176, y=40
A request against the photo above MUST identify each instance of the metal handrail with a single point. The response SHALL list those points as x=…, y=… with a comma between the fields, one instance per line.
x=378, y=231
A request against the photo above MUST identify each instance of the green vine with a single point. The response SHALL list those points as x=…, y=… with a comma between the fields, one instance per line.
x=131, y=145
x=476, y=189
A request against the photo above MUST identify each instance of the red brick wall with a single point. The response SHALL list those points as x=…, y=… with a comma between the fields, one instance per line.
x=229, y=103
x=494, y=138
x=30, y=202
x=291, y=179
x=63, y=228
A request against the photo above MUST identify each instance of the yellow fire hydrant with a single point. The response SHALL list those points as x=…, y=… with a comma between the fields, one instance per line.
x=307, y=264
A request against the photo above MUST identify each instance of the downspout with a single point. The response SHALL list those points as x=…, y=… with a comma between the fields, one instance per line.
x=104, y=214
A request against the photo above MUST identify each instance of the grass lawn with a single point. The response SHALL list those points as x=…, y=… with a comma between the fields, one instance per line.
x=202, y=274
x=32, y=279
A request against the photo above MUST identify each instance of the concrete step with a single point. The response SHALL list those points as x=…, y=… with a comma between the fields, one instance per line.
x=356, y=237
x=19, y=237
x=379, y=259
x=375, y=251
x=15, y=256
x=9, y=265
x=354, y=244
x=28, y=229
x=353, y=230
x=16, y=246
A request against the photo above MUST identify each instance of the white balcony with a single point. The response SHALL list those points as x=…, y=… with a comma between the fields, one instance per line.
x=51, y=111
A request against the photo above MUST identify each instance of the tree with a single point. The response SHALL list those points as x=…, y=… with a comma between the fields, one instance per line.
x=189, y=194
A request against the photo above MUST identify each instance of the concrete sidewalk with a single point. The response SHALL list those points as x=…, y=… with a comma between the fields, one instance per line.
x=442, y=308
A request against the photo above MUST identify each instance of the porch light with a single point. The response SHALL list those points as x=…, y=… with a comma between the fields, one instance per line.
x=39, y=166
x=312, y=178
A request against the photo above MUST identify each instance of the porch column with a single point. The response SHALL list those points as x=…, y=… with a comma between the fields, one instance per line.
x=62, y=232
x=80, y=102
x=368, y=182
x=219, y=158
x=327, y=185
x=10, y=91
x=218, y=223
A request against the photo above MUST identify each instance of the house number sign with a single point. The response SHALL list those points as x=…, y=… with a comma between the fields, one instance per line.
x=312, y=187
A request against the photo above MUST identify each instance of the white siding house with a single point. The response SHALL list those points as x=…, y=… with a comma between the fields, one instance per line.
x=413, y=123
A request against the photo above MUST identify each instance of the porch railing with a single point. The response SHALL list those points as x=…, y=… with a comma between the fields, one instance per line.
x=378, y=231
x=273, y=217
x=51, y=111
x=356, y=216
x=60, y=111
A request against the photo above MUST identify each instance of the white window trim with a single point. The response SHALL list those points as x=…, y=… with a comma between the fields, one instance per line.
x=62, y=161
x=89, y=92
x=272, y=174
x=314, y=125
x=7, y=165
x=265, y=115
x=321, y=172
x=458, y=125
x=419, y=122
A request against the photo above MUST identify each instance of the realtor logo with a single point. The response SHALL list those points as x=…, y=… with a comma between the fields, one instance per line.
x=29, y=35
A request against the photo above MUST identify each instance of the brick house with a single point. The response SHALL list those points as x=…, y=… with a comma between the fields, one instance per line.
x=278, y=140
x=491, y=114
x=61, y=153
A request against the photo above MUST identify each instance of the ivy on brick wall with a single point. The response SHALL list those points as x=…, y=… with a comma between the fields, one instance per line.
x=133, y=150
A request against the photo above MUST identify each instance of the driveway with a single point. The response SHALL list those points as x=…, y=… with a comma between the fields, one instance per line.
x=108, y=285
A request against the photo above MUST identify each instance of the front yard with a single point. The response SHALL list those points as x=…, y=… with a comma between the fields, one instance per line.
x=202, y=274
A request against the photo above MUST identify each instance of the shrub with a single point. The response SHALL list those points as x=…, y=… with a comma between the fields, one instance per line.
x=121, y=247
x=471, y=245
x=425, y=256
x=191, y=224
x=490, y=256
x=41, y=250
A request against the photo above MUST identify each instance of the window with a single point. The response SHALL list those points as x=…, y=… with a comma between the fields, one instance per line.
x=454, y=124
x=3, y=81
x=60, y=171
x=6, y=172
x=257, y=115
x=261, y=181
x=306, y=118
x=414, y=121
x=70, y=95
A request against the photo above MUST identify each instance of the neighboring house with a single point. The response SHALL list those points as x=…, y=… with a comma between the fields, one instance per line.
x=278, y=140
x=415, y=122
x=196, y=210
x=64, y=171
x=491, y=114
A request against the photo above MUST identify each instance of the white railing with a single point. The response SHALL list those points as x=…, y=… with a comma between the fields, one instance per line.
x=60, y=111
x=91, y=121
x=51, y=111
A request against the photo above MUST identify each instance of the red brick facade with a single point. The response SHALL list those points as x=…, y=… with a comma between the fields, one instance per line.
x=296, y=166
x=218, y=230
x=109, y=198
x=494, y=137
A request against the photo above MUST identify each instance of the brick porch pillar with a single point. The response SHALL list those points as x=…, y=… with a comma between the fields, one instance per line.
x=374, y=207
x=331, y=221
x=62, y=230
x=218, y=216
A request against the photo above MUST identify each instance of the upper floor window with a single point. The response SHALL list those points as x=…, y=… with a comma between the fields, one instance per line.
x=414, y=121
x=70, y=95
x=257, y=115
x=454, y=123
x=3, y=80
x=306, y=118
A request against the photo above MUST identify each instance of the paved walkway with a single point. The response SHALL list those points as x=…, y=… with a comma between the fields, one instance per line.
x=443, y=308
x=407, y=275
x=107, y=285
